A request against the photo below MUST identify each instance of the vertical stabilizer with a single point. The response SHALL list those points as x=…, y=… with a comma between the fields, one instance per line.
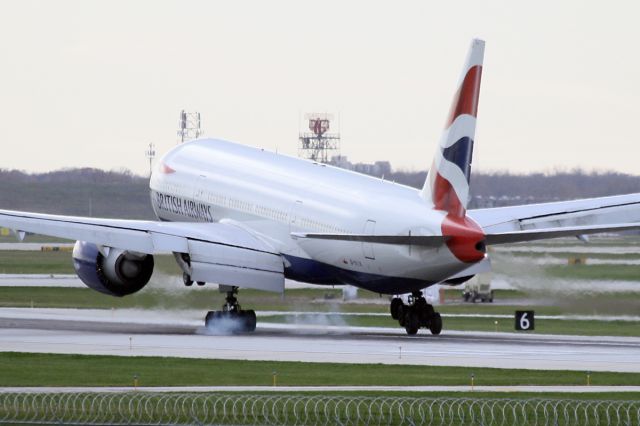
x=447, y=184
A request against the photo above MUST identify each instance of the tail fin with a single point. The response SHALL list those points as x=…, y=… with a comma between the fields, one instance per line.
x=447, y=184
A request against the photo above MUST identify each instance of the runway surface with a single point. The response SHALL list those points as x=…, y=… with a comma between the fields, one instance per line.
x=179, y=334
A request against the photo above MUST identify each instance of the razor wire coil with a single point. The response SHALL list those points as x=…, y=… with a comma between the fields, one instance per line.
x=153, y=408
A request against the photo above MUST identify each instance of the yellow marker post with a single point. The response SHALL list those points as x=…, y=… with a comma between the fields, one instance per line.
x=275, y=378
x=473, y=377
x=496, y=324
x=588, y=378
x=135, y=382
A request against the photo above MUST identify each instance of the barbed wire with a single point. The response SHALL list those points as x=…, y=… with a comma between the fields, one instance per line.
x=147, y=408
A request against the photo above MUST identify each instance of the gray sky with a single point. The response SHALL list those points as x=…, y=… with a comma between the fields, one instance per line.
x=91, y=83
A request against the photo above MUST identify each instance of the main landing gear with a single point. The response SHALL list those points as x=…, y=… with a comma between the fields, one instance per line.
x=418, y=313
x=231, y=319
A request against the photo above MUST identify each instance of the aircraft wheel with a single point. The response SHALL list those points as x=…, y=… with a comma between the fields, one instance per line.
x=211, y=318
x=249, y=320
x=411, y=322
x=435, y=325
x=200, y=283
x=402, y=314
x=396, y=302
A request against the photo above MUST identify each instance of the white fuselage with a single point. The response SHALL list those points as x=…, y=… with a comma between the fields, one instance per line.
x=273, y=195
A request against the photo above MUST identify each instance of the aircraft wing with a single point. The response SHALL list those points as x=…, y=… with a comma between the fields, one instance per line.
x=221, y=253
x=531, y=222
x=580, y=214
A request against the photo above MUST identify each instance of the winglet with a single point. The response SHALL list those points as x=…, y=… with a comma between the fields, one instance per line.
x=447, y=184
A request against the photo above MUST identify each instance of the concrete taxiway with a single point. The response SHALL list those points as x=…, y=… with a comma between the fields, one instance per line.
x=180, y=334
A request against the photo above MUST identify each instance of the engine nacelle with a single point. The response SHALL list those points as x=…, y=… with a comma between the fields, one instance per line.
x=118, y=274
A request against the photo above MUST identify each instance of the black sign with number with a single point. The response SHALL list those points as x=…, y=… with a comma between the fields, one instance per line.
x=525, y=320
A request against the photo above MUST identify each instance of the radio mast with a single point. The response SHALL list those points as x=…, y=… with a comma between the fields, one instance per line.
x=316, y=143
x=188, y=126
x=150, y=153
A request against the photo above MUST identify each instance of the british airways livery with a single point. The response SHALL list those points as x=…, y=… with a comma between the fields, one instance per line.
x=244, y=217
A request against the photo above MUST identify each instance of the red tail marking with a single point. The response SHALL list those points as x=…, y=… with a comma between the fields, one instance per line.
x=445, y=198
x=467, y=239
x=466, y=99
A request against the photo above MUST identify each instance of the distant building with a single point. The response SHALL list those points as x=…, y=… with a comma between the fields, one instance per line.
x=377, y=169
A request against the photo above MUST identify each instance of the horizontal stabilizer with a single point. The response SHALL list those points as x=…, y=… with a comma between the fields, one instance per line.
x=415, y=240
x=543, y=234
x=490, y=239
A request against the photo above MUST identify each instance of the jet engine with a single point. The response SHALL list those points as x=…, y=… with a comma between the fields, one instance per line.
x=116, y=273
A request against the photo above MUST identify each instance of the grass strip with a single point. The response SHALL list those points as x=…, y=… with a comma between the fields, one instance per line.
x=594, y=272
x=179, y=298
x=30, y=369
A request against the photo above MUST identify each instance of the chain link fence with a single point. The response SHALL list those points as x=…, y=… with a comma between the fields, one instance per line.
x=146, y=408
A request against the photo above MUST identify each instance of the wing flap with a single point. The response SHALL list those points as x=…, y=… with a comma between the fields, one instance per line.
x=236, y=266
x=238, y=276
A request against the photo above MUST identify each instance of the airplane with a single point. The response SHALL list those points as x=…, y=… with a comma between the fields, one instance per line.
x=244, y=217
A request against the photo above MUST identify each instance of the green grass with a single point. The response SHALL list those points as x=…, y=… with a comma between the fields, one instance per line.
x=27, y=369
x=328, y=300
x=35, y=262
x=325, y=299
x=181, y=298
x=595, y=272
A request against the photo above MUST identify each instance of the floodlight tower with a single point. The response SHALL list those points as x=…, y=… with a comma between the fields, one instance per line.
x=316, y=144
x=188, y=126
x=150, y=153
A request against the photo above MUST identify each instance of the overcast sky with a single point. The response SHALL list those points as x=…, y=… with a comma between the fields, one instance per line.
x=91, y=83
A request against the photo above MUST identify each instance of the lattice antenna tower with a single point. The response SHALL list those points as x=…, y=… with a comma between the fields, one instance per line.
x=150, y=153
x=189, y=126
x=317, y=143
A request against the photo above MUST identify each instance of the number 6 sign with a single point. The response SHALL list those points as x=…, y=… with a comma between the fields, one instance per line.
x=525, y=320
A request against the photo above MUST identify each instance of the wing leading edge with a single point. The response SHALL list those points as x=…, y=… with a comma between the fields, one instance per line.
x=221, y=253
